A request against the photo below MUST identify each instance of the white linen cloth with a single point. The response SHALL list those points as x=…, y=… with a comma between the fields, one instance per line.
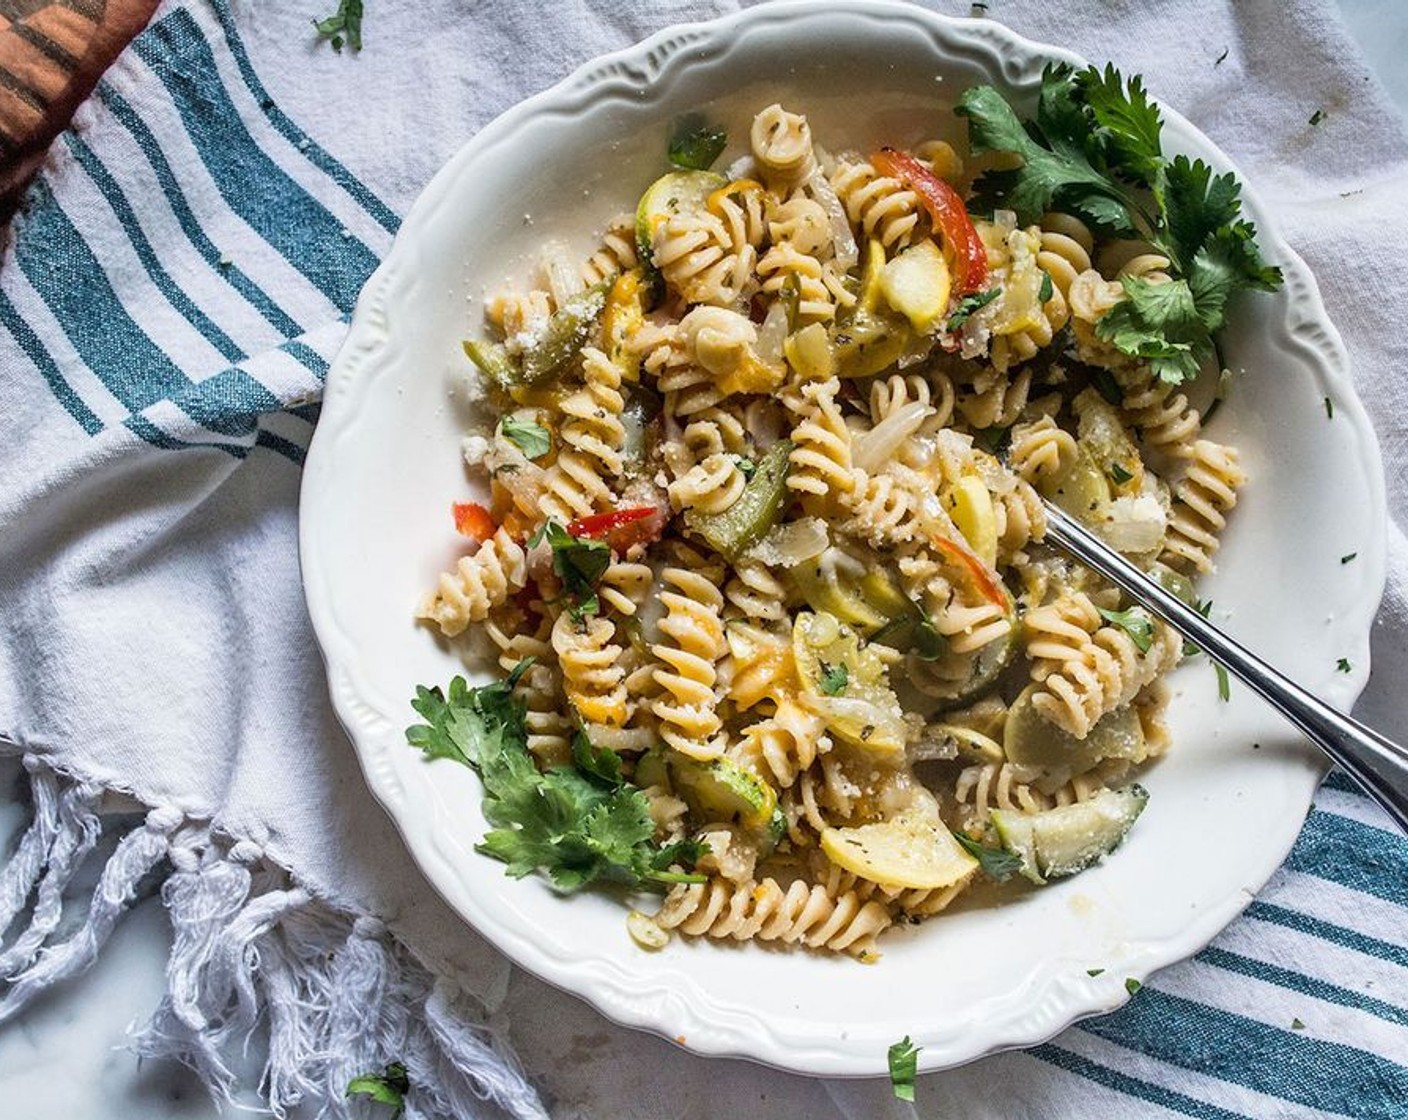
x=169, y=300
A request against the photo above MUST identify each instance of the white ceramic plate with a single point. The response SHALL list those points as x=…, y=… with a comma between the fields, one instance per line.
x=385, y=466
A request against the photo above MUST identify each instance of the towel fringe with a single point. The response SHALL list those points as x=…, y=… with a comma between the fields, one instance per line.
x=335, y=992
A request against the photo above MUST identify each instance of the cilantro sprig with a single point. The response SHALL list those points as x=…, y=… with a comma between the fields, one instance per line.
x=579, y=824
x=1136, y=623
x=903, y=1059
x=345, y=23
x=390, y=1086
x=997, y=864
x=529, y=436
x=696, y=144
x=1094, y=148
x=579, y=562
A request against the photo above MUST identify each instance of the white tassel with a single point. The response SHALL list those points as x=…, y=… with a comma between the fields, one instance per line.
x=77, y=829
x=18, y=876
x=338, y=996
x=136, y=854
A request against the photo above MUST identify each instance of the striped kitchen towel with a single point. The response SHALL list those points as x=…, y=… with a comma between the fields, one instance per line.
x=178, y=279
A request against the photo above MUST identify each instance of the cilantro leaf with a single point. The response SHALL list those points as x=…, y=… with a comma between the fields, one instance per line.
x=1343, y=665
x=1224, y=683
x=1159, y=323
x=1094, y=149
x=904, y=1067
x=997, y=864
x=346, y=21
x=578, y=561
x=834, y=678
x=601, y=763
x=1048, y=289
x=530, y=437
x=1119, y=474
x=967, y=305
x=1131, y=985
x=1094, y=971
x=994, y=439
x=390, y=1086
x=696, y=144
x=1057, y=164
x=1134, y=622
x=579, y=824
x=1130, y=122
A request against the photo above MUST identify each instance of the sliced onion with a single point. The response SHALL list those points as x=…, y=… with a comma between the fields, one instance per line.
x=875, y=448
x=563, y=276
x=843, y=241
x=789, y=545
x=1132, y=524
x=771, y=335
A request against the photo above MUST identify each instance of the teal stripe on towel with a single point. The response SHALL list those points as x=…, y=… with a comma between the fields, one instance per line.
x=62, y=268
x=127, y=218
x=190, y=225
x=379, y=211
x=1130, y=1086
x=34, y=349
x=1305, y=985
x=1328, y=931
x=1354, y=855
x=257, y=188
x=1328, y=1076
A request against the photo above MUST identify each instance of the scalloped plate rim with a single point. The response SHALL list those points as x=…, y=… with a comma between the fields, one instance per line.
x=1076, y=1001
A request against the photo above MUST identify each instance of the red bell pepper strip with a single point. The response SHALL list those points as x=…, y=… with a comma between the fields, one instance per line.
x=473, y=520
x=621, y=528
x=968, y=254
x=984, y=579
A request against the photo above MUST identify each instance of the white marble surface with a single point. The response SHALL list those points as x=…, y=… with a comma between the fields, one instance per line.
x=66, y=1057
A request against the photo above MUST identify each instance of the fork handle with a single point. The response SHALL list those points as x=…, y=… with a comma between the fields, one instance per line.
x=1377, y=764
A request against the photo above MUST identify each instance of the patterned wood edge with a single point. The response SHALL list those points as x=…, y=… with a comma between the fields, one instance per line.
x=52, y=53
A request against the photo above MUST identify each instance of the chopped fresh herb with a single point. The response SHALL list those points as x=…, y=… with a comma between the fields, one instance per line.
x=1106, y=385
x=1131, y=985
x=1316, y=117
x=1329, y=409
x=578, y=824
x=578, y=561
x=1224, y=683
x=993, y=439
x=969, y=304
x=1047, y=288
x=345, y=22
x=746, y=466
x=1095, y=149
x=996, y=863
x=390, y=1086
x=1347, y=558
x=597, y=762
x=834, y=678
x=1343, y=665
x=1223, y=56
x=531, y=438
x=1134, y=622
x=1094, y=971
x=696, y=144
x=1119, y=474
x=1297, y=1025
x=904, y=1067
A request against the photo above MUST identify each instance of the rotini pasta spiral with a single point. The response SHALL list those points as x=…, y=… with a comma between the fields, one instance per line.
x=1108, y=674
x=593, y=678
x=821, y=460
x=1041, y=450
x=592, y=436
x=1159, y=412
x=801, y=914
x=1201, y=500
x=479, y=582
x=549, y=730
x=694, y=643
x=616, y=253
x=879, y=207
x=782, y=145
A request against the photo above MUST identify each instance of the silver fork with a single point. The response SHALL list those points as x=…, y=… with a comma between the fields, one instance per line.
x=1377, y=764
